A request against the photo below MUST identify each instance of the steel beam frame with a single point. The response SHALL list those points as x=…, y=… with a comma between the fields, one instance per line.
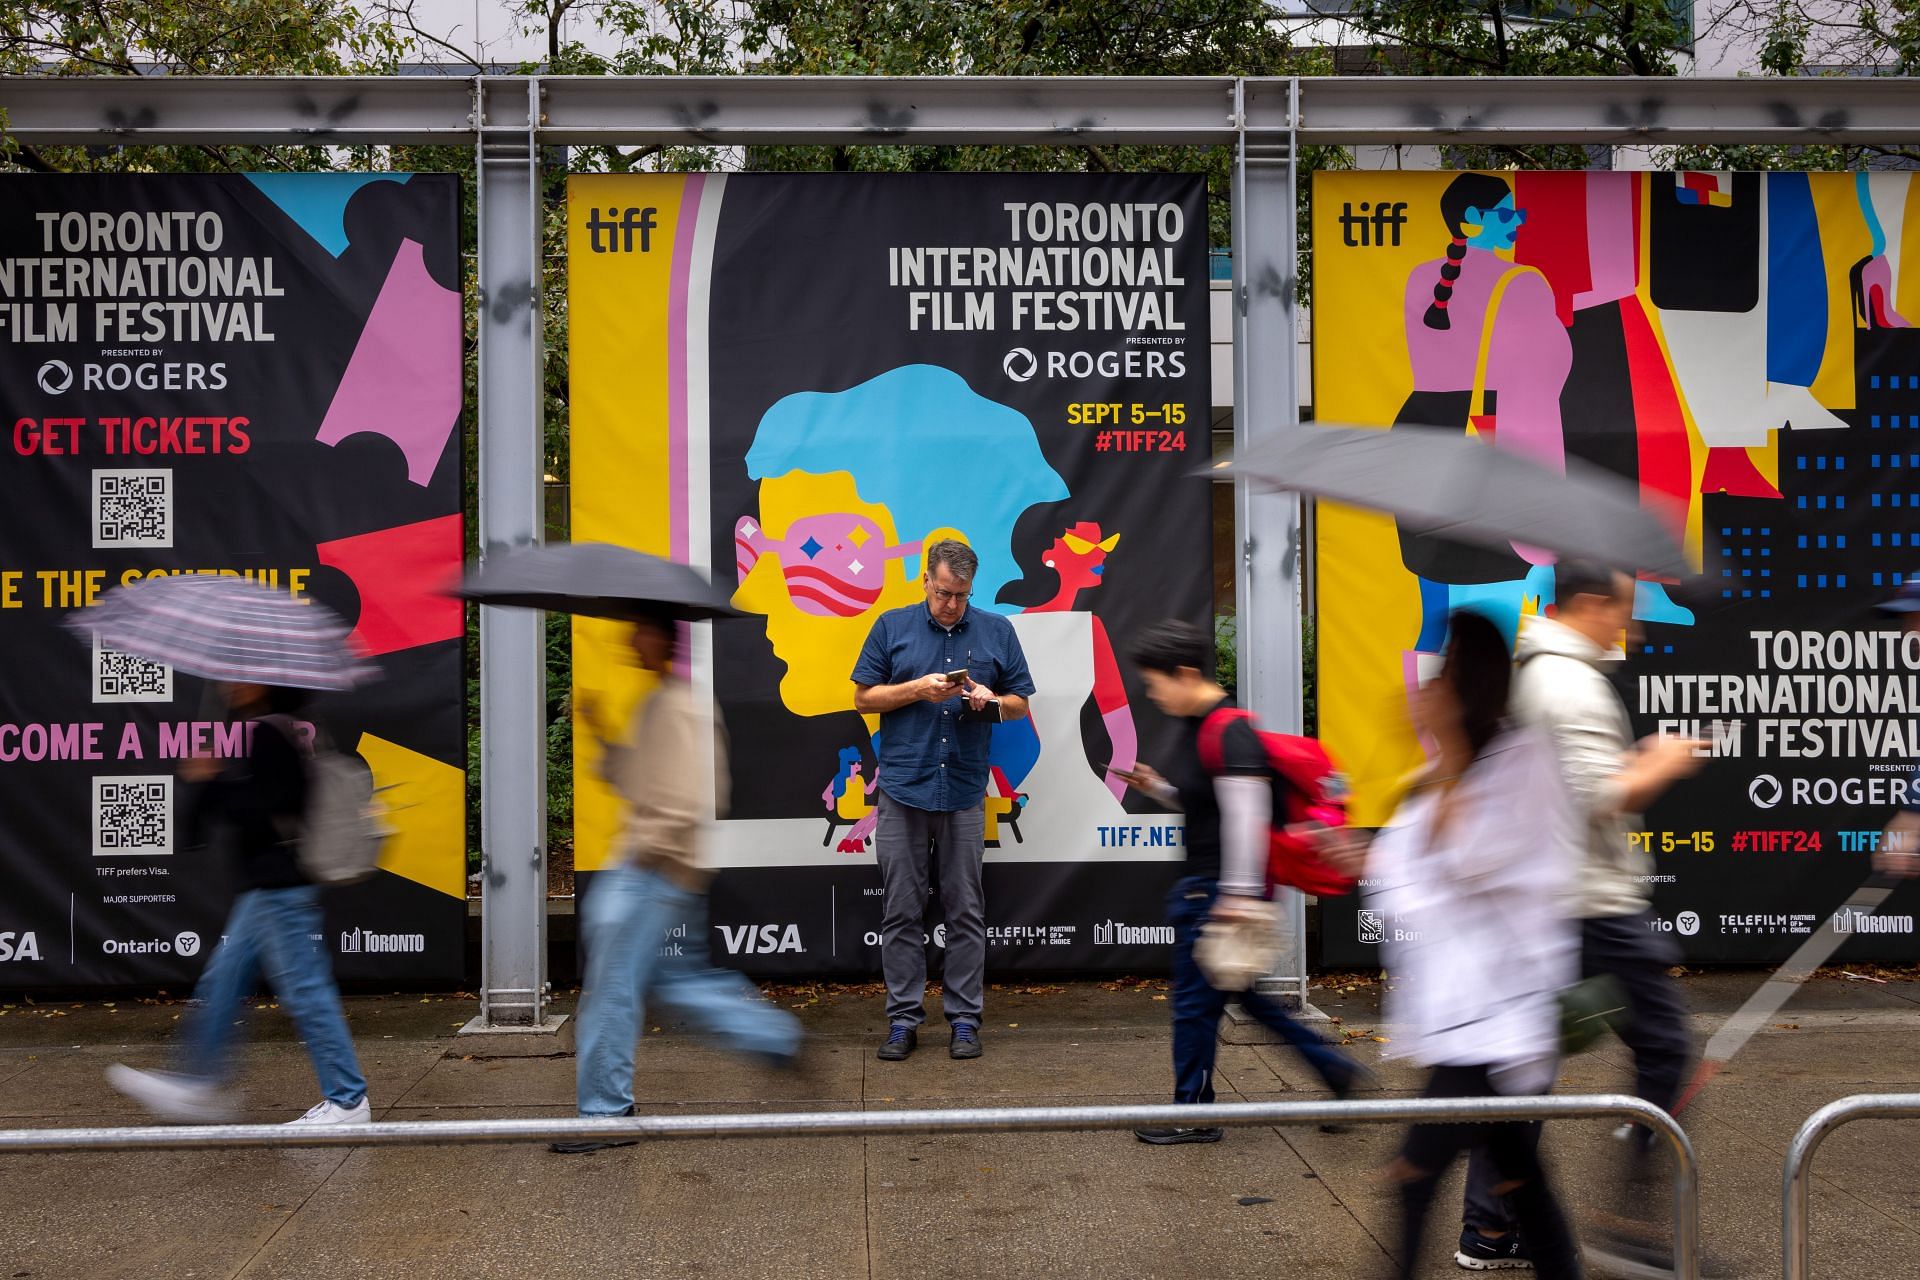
x=513, y=673
x=1265, y=120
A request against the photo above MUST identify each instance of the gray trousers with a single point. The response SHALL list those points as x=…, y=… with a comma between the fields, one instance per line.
x=907, y=842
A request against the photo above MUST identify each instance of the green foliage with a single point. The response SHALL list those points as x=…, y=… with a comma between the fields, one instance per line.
x=1065, y=37
x=1226, y=654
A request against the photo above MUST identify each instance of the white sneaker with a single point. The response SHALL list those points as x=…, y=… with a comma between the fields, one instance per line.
x=329, y=1113
x=169, y=1096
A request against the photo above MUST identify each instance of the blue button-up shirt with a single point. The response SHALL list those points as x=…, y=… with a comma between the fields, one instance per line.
x=930, y=758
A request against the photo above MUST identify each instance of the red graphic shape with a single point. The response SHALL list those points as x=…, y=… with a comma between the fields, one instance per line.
x=1666, y=460
x=1730, y=470
x=1556, y=203
x=400, y=574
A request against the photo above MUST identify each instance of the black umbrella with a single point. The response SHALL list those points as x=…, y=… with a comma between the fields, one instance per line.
x=596, y=579
x=1441, y=483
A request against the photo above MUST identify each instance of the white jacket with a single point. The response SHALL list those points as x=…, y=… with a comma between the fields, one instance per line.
x=1475, y=927
x=1561, y=686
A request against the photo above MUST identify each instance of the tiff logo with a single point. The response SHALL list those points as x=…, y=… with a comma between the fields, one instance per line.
x=1374, y=227
x=614, y=233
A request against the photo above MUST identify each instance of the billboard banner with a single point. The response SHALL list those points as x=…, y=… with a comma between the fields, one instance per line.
x=248, y=375
x=1736, y=345
x=795, y=382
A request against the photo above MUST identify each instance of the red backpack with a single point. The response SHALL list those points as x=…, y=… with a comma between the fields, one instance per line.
x=1310, y=788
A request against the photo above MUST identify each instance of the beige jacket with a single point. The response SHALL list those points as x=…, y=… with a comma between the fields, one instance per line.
x=1562, y=687
x=661, y=772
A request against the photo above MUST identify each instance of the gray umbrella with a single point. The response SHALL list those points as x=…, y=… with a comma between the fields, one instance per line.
x=1439, y=482
x=596, y=579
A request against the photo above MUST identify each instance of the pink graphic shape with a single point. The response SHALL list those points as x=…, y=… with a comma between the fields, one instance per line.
x=403, y=381
x=402, y=575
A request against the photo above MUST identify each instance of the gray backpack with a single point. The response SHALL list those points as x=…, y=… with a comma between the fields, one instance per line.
x=345, y=826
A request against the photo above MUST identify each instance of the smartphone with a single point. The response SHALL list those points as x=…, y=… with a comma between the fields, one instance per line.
x=1127, y=775
x=956, y=677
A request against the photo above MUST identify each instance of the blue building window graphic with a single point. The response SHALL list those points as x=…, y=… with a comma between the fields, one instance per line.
x=1873, y=381
x=1803, y=542
x=1874, y=421
x=1803, y=579
x=1876, y=500
x=1840, y=541
x=1840, y=581
x=1876, y=579
x=1876, y=539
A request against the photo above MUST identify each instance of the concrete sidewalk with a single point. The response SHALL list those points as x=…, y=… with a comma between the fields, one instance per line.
x=1265, y=1202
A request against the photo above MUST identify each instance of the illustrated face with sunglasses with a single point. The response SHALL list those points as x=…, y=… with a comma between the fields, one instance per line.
x=819, y=563
x=1497, y=227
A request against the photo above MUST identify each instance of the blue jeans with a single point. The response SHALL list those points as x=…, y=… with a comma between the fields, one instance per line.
x=275, y=932
x=631, y=963
x=1197, y=1007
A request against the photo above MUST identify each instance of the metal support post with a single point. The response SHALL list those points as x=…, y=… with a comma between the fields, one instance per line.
x=1267, y=578
x=513, y=801
x=1797, y=1192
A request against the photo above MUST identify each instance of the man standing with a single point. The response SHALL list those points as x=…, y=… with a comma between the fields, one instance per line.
x=939, y=675
x=1562, y=687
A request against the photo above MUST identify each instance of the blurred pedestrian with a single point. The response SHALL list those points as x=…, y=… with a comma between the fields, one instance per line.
x=939, y=675
x=1562, y=686
x=1898, y=853
x=256, y=805
x=1474, y=873
x=659, y=881
x=1229, y=811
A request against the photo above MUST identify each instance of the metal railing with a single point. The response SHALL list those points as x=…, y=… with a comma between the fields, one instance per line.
x=1686, y=1180
x=1798, y=1182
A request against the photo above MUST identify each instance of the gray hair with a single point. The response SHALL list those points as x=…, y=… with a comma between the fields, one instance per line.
x=957, y=556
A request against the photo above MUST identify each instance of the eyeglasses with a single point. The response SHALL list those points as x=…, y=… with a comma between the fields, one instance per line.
x=948, y=597
x=1504, y=214
x=833, y=564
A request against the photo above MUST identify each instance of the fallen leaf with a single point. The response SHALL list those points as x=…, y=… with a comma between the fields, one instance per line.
x=1249, y=1200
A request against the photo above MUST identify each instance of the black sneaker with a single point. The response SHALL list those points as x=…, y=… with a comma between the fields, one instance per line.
x=1492, y=1253
x=901, y=1040
x=587, y=1146
x=965, y=1042
x=1173, y=1134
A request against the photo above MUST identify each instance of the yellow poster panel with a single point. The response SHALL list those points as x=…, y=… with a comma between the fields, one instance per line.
x=624, y=233
x=1668, y=327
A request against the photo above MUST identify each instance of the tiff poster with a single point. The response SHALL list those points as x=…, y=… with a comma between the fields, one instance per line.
x=253, y=375
x=1737, y=345
x=795, y=383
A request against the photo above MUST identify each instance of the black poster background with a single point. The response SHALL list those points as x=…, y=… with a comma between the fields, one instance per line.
x=266, y=508
x=800, y=302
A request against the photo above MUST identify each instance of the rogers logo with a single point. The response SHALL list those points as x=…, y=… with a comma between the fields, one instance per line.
x=55, y=377
x=1764, y=791
x=1020, y=364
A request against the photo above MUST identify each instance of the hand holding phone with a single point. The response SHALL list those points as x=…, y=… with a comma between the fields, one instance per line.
x=956, y=677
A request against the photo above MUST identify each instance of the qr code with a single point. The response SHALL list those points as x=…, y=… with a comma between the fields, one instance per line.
x=121, y=677
x=132, y=817
x=132, y=509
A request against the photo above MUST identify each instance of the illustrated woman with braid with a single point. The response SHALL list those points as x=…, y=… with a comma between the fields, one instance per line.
x=1486, y=346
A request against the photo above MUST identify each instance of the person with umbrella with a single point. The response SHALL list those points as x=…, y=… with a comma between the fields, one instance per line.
x=660, y=874
x=265, y=651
